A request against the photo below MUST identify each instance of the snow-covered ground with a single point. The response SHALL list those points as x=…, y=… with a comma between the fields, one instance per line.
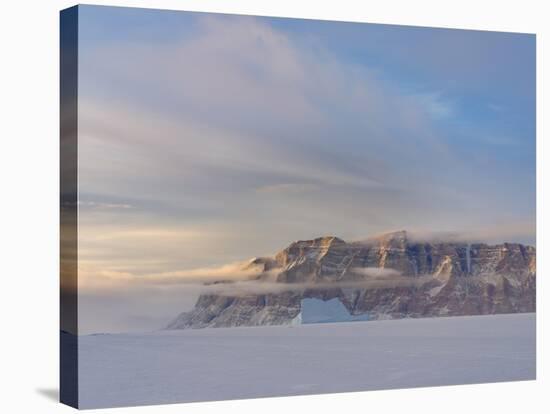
x=230, y=363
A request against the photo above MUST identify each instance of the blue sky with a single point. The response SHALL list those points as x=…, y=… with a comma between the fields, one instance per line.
x=207, y=139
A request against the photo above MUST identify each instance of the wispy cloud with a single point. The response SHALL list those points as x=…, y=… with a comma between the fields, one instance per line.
x=376, y=272
x=101, y=205
x=435, y=105
x=239, y=277
x=288, y=188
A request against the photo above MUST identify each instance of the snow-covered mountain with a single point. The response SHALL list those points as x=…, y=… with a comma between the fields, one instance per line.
x=390, y=276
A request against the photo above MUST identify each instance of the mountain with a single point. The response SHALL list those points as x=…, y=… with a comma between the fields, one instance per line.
x=386, y=277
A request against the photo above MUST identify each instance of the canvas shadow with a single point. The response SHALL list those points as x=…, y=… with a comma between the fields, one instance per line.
x=49, y=393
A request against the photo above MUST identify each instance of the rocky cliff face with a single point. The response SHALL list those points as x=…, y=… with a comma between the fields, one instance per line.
x=386, y=277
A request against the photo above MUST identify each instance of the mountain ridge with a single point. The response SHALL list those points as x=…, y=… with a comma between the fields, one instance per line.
x=387, y=276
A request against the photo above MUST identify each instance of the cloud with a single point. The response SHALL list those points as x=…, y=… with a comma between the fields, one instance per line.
x=236, y=278
x=236, y=106
x=94, y=277
x=435, y=105
x=288, y=188
x=101, y=205
x=229, y=272
x=128, y=241
x=238, y=93
x=499, y=232
x=259, y=128
x=376, y=272
x=255, y=287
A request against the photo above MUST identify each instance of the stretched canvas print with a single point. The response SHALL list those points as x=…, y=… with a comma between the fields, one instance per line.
x=256, y=206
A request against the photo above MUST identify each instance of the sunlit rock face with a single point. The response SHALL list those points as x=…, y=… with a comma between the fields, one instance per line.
x=390, y=276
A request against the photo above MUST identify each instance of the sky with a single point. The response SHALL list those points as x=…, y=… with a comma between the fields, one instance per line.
x=206, y=139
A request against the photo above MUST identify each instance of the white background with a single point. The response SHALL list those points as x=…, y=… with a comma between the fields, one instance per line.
x=29, y=204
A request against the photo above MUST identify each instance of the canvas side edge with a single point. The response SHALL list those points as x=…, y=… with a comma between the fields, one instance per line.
x=68, y=384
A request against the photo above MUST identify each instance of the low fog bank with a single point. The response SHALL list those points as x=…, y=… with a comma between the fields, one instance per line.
x=143, y=304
